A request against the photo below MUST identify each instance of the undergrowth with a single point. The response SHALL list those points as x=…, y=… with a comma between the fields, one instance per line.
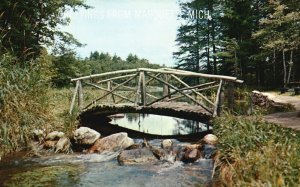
x=256, y=153
x=61, y=99
x=24, y=103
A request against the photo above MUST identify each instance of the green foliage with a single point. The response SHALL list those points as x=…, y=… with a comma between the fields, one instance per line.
x=28, y=25
x=256, y=153
x=242, y=39
x=229, y=55
x=24, y=104
x=65, y=69
x=67, y=66
x=279, y=32
x=197, y=36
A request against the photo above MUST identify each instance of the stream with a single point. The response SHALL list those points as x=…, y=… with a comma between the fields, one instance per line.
x=103, y=169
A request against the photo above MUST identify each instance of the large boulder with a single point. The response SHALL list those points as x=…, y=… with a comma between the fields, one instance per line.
x=193, y=146
x=134, y=146
x=55, y=135
x=210, y=139
x=191, y=155
x=179, y=152
x=110, y=143
x=38, y=135
x=63, y=145
x=167, y=144
x=136, y=156
x=50, y=144
x=158, y=152
x=85, y=135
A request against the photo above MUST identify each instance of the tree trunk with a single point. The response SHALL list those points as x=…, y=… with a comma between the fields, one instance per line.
x=235, y=64
x=274, y=68
x=208, y=44
x=284, y=68
x=198, y=50
x=214, y=48
x=241, y=69
x=290, y=67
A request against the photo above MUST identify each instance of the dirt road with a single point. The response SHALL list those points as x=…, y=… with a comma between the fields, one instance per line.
x=286, y=119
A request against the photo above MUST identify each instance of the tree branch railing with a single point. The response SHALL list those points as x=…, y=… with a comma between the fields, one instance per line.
x=138, y=83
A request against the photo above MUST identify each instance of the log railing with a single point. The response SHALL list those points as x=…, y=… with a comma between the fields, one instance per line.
x=206, y=93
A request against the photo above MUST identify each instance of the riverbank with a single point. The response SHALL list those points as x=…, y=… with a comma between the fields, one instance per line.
x=256, y=153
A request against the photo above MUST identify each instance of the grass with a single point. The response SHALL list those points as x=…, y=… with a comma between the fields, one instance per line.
x=28, y=102
x=256, y=153
x=24, y=103
x=61, y=100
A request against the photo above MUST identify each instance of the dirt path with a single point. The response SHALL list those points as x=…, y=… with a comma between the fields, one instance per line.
x=286, y=119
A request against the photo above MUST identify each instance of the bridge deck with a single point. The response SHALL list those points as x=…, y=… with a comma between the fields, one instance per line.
x=205, y=95
x=174, y=109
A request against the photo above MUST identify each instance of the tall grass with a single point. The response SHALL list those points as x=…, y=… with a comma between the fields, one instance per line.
x=60, y=99
x=256, y=153
x=24, y=103
x=28, y=102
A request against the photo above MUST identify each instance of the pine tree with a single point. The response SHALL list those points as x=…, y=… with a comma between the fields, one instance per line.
x=279, y=32
x=197, y=35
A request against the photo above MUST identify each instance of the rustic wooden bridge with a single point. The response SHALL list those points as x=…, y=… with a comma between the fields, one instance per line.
x=162, y=91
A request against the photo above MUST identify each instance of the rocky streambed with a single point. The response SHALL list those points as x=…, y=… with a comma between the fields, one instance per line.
x=87, y=159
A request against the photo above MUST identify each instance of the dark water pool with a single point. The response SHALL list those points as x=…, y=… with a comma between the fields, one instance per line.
x=160, y=125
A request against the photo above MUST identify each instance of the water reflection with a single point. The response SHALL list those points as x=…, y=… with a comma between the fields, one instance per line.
x=160, y=125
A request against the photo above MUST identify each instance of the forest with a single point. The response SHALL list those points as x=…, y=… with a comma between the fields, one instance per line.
x=257, y=41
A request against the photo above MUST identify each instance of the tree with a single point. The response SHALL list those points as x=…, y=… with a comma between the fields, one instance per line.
x=94, y=55
x=280, y=32
x=256, y=40
x=197, y=36
x=28, y=25
x=237, y=23
x=229, y=56
x=189, y=39
x=132, y=58
x=65, y=69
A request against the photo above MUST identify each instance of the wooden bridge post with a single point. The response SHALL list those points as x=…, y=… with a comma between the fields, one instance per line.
x=166, y=88
x=221, y=102
x=143, y=88
x=80, y=95
x=109, y=88
x=217, y=102
x=74, y=97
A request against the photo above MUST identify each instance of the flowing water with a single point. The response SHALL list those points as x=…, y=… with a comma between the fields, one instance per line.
x=100, y=170
x=89, y=170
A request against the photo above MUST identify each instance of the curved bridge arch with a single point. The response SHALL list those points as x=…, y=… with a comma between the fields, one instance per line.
x=153, y=91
